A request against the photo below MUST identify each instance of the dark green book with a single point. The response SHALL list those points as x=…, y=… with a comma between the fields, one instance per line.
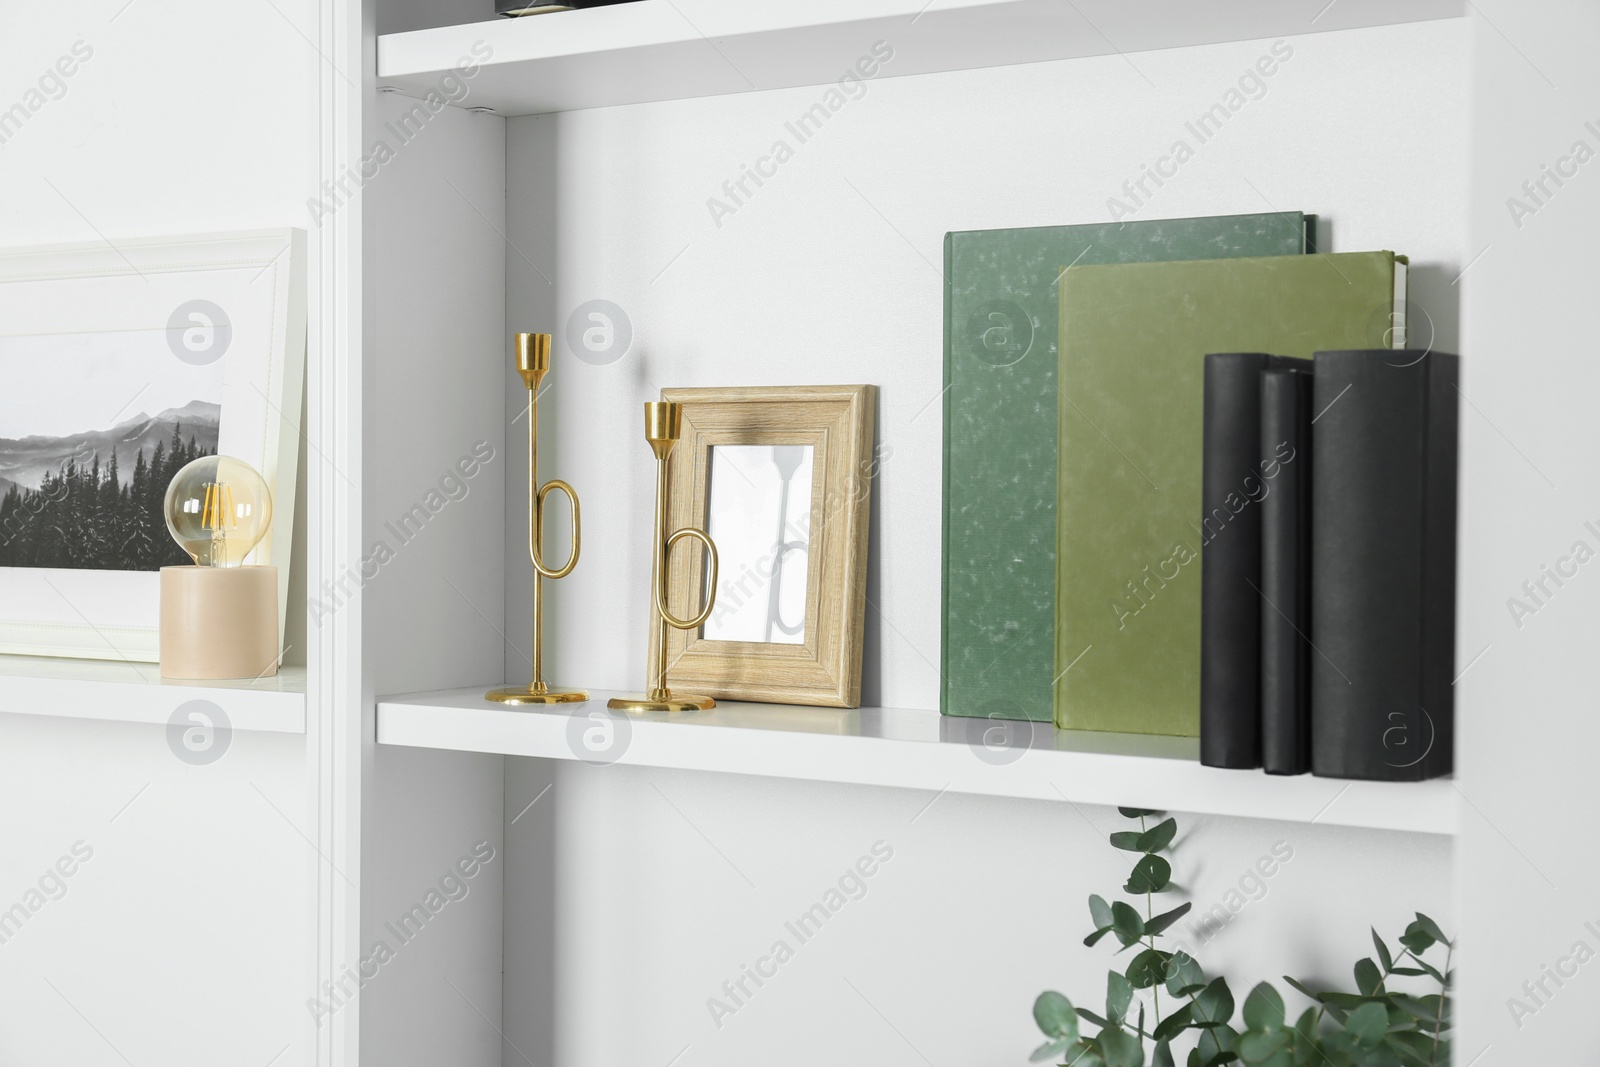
x=1000, y=432
x=1134, y=339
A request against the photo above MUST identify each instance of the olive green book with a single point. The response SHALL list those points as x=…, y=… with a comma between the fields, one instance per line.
x=1000, y=397
x=1132, y=352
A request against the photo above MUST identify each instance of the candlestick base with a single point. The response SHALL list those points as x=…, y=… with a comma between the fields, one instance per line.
x=536, y=694
x=661, y=702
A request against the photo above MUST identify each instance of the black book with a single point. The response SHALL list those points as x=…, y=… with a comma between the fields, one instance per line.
x=1286, y=414
x=1233, y=484
x=1383, y=564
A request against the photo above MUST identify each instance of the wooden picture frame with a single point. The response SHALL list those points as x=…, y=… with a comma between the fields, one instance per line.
x=823, y=668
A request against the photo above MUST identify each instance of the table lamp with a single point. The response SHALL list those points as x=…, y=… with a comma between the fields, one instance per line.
x=219, y=618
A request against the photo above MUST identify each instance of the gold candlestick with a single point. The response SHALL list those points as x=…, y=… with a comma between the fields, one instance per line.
x=663, y=425
x=533, y=363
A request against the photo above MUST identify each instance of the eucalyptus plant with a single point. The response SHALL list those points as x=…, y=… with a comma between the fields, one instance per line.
x=1374, y=1026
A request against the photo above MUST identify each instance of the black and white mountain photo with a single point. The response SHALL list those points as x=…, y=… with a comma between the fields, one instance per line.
x=92, y=429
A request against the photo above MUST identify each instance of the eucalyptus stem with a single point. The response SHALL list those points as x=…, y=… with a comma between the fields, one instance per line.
x=1444, y=992
x=1149, y=913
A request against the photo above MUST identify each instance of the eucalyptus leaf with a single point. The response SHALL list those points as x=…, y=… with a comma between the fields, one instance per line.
x=1151, y=874
x=1257, y=1045
x=1127, y=923
x=1368, y=980
x=1418, y=1044
x=1218, y=1044
x=1420, y=1008
x=1383, y=952
x=1305, y=1039
x=1120, y=1048
x=1159, y=836
x=1148, y=968
x=1213, y=1005
x=1174, y=1024
x=1119, y=994
x=1367, y=1024
x=1167, y=918
x=1348, y=1001
x=1162, y=1057
x=1085, y=1013
x=1431, y=928
x=1184, y=975
x=1300, y=987
x=1055, y=1016
x=1050, y=1050
x=1431, y=971
x=1092, y=939
x=1263, y=1008
x=1342, y=1043
x=1100, y=912
x=1127, y=840
x=1138, y=813
x=1417, y=938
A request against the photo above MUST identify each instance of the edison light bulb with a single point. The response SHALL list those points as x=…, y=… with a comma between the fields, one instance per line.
x=218, y=508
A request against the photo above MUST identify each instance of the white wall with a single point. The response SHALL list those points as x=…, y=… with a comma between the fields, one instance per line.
x=435, y=216
x=170, y=126
x=830, y=273
x=183, y=935
x=183, y=941
x=1528, y=728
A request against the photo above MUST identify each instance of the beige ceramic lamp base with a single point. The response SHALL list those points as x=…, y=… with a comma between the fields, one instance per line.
x=219, y=622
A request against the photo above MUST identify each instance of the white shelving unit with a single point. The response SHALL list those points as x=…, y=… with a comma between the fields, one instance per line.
x=536, y=216
x=123, y=691
x=669, y=50
x=412, y=281
x=911, y=749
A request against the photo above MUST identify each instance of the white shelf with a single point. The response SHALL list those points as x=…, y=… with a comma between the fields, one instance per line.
x=676, y=49
x=920, y=750
x=120, y=691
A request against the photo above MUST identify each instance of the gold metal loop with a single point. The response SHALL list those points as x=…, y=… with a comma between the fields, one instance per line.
x=662, y=584
x=533, y=363
x=663, y=425
x=536, y=529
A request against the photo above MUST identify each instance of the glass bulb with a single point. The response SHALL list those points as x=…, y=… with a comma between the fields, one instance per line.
x=218, y=509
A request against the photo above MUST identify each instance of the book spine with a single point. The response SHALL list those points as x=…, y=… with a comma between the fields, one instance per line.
x=1383, y=564
x=1286, y=572
x=1230, y=562
x=1439, y=567
x=946, y=668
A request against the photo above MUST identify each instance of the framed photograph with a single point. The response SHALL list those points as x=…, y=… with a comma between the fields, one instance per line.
x=120, y=363
x=781, y=478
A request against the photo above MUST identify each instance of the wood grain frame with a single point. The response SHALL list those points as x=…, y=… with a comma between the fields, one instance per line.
x=837, y=421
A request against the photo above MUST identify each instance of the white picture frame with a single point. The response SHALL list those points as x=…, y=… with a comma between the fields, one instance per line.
x=164, y=290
